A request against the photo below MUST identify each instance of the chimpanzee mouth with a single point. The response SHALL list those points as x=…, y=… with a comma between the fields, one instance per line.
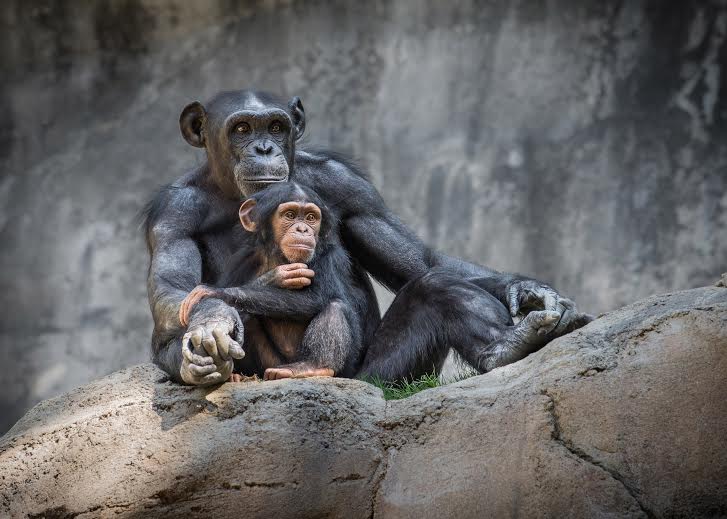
x=301, y=246
x=257, y=173
x=265, y=180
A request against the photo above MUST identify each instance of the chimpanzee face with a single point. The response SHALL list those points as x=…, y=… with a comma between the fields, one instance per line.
x=290, y=223
x=295, y=227
x=290, y=228
x=250, y=138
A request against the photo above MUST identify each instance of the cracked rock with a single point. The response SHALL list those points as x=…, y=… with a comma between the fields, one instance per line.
x=623, y=418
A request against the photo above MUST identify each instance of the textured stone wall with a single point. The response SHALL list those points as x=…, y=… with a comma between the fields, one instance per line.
x=582, y=142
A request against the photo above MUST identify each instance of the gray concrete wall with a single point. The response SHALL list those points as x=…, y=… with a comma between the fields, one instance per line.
x=582, y=142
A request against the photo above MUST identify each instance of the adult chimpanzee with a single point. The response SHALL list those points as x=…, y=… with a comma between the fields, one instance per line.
x=296, y=326
x=192, y=229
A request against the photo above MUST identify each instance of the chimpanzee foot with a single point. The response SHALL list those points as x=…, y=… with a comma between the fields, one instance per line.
x=536, y=325
x=517, y=342
x=296, y=370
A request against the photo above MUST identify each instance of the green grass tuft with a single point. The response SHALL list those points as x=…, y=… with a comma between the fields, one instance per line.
x=407, y=388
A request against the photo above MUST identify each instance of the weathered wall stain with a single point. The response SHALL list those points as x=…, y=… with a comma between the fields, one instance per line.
x=584, y=143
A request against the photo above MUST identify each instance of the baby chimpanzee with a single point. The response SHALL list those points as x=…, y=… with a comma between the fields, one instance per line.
x=293, y=289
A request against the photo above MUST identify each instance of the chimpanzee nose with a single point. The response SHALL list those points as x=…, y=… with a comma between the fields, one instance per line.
x=263, y=148
x=301, y=228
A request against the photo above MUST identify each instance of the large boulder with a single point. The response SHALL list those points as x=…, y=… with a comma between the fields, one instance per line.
x=626, y=417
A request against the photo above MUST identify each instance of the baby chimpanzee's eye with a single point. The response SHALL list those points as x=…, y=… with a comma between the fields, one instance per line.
x=290, y=215
x=310, y=217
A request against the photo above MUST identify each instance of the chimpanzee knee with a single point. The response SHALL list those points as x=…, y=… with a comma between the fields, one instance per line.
x=431, y=314
x=454, y=296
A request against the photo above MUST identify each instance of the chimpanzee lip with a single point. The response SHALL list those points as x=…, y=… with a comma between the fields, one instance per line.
x=300, y=246
x=266, y=179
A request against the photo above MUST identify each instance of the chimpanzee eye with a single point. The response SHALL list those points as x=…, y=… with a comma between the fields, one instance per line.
x=290, y=215
x=310, y=217
x=242, y=128
x=275, y=127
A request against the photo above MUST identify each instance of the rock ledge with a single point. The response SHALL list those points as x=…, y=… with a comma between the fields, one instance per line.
x=625, y=417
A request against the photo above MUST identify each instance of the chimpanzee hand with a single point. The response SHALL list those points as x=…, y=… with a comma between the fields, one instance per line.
x=293, y=276
x=296, y=370
x=526, y=295
x=208, y=347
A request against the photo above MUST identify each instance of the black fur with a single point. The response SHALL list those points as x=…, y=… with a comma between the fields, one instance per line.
x=333, y=284
x=193, y=231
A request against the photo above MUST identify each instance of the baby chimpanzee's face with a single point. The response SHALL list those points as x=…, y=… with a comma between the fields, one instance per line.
x=295, y=227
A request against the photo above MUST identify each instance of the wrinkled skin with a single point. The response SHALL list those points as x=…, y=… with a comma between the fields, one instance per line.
x=209, y=350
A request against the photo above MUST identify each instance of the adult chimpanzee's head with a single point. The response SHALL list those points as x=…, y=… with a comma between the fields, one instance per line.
x=249, y=137
x=290, y=221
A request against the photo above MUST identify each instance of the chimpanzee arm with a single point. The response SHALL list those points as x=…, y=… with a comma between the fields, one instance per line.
x=256, y=298
x=394, y=255
x=176, y=262
x=176, y=267
x=386, y=247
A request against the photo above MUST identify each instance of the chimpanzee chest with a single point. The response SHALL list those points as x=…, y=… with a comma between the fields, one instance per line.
x=286, y=336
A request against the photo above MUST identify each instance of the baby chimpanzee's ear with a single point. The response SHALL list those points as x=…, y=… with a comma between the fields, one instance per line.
x=245, y=215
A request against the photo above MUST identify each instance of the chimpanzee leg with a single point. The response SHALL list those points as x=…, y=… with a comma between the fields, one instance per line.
x=439, y=311
x=329, y=343
x=329, y=339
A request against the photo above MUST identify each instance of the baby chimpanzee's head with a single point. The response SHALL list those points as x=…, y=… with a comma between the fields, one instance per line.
x=289, y=220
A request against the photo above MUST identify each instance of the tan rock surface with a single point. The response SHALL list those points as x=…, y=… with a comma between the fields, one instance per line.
x=624, y=418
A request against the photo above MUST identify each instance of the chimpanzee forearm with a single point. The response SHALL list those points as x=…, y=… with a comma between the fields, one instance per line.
x=278, y=303
x=176, y=268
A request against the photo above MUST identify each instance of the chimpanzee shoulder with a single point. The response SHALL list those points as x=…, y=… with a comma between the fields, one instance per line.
x=177, y=207
x=339, y=180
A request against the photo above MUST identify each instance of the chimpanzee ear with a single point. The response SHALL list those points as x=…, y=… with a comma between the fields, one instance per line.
x=246, y=215
x=298, y=115
x=191, y=122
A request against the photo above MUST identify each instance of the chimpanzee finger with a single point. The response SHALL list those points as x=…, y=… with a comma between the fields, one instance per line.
x=298, y=273
x=236, y=351
x=567, y=309
x=183, y=313
x=564, y=322
x=219, y=332
x=280, y=374
x=200, y=371
x=210, y=345
x=212, y=377
x=196, y=337
x=277, y=374
x=316, y=372
x=188, y=303
x=296, y=283
x=270, y=374
x=550, y=301
x=193, y=358
x=513, y=300
x=294, y=266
